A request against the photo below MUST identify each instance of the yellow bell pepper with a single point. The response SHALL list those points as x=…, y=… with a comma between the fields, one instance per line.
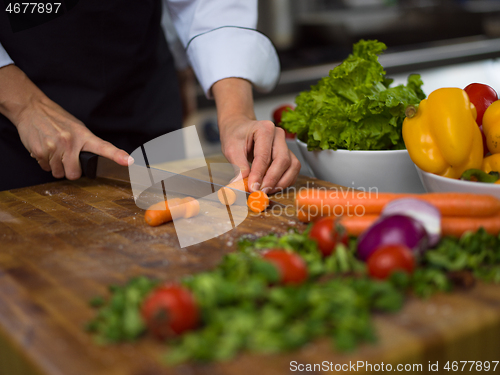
x=491, y=163
x=442, y=137
x=491, y=127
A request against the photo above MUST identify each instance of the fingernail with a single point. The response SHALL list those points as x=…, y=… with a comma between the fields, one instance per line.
x=130, y=160
x=266, y=190
x=255, y=186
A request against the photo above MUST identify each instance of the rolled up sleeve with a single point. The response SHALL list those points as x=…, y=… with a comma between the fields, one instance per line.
x=221, y=42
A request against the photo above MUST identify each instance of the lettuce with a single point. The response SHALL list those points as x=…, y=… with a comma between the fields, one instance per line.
x=354, y=107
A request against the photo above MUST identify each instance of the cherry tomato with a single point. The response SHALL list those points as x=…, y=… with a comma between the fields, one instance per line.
x=389, y=258
x=170, y=310
x=481, y=96
x=291, y=266
x=328, y=235
x=278, y=112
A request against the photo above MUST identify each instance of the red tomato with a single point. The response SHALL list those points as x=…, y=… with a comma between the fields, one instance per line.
x=292, y=268
x=481, y=96
x=278, y=112
x=389, y=258
x=328, y=235
x=168, y=310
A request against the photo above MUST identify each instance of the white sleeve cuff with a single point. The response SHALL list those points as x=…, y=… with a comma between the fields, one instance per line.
x=234, y=52
x=4, y=57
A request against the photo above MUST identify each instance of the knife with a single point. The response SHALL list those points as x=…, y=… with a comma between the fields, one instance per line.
x=93, y=166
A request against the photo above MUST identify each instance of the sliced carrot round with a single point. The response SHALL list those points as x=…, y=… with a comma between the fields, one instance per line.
x=226, y=196
x=258, y=201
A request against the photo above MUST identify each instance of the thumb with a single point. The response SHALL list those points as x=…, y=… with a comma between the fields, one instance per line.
x=107, y=150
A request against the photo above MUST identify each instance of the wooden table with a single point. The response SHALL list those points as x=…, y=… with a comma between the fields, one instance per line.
x=63, y=243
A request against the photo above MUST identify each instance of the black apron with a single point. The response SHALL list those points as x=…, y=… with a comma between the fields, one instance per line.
x=104, y=61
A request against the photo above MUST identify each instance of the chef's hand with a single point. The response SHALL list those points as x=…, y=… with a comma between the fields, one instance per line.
x=243, y=139
x=50, y=134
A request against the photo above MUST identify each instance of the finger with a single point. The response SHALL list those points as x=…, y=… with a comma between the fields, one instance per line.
x=107, y=150
x=44, y=165
x=281, y=161
x=238, y=158
x=71, y=164
x=290, y=176
x=56, y=165
x=262, y=153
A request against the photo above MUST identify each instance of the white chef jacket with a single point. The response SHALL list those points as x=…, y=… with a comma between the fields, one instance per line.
x=220, y=42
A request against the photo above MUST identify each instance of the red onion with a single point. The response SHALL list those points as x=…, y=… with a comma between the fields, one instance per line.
x=423, y=211
x=393, y=229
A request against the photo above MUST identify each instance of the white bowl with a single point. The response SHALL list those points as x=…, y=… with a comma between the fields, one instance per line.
x=385, y=170
x=438, y=184
x=304, y=167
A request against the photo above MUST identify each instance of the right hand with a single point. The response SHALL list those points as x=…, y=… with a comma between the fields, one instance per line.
x=51, y=135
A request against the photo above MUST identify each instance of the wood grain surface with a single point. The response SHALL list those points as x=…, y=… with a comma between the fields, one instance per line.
x=63, y=243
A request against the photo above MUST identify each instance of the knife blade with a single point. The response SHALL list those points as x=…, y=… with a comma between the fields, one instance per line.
x=94, y=166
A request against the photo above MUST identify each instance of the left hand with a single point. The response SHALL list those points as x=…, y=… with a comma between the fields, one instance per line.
x=244, y=139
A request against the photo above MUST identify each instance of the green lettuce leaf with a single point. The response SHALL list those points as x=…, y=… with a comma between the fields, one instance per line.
x=354, y=107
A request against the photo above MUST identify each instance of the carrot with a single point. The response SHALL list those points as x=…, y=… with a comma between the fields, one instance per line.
x=311, y=213
x=160, y=213
x=303, y=216
x=163, y=212
x=192, y=207
x=227, y=196
x=450, y=225
x=355, y=225
x=258, y=201
x=332, y=202
x=456, y=226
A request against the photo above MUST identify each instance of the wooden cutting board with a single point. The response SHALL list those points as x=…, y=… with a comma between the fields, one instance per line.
x=63, y=243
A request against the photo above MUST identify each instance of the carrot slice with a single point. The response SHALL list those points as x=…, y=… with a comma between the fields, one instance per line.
x=258, y=201
x=227, y=196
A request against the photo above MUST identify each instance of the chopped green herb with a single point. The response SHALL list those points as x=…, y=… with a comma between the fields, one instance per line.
x=119, y=319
